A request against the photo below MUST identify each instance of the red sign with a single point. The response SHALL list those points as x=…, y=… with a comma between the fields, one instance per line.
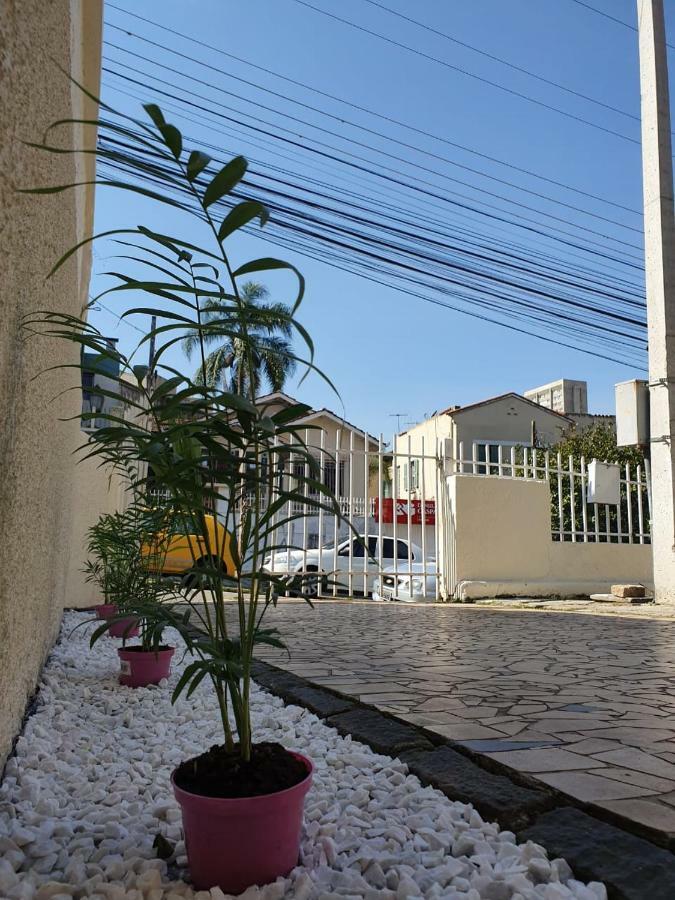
x=403, y=509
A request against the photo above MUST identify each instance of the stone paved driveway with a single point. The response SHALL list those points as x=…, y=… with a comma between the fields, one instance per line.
x=583, y=703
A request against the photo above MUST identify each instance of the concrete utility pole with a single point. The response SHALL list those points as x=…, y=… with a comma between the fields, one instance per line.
x=659, y=226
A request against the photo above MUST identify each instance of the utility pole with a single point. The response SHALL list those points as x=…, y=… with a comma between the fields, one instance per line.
x=659, y=228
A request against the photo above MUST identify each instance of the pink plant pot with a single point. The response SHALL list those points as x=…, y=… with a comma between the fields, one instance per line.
x=139, y=668
x=106, y=610
x=236, y=843
x=124, y=628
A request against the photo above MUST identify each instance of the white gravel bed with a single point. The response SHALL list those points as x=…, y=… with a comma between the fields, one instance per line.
x=88, y=791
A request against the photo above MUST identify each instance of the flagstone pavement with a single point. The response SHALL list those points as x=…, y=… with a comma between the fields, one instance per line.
x=583, y=703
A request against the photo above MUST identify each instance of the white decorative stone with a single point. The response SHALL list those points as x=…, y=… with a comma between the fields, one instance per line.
x=88, y=791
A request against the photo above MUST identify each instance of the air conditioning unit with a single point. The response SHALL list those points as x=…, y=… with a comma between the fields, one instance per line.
x=632, y=413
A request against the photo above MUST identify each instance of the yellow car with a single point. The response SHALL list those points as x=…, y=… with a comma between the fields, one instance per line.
x=178, y=551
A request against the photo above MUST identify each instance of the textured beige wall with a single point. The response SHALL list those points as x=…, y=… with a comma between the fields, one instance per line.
x=423, y=439
x=97, y=491
x=36, y=487
x=508, y=419
x=503, y=546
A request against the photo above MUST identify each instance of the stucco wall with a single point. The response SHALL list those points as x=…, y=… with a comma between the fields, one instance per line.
x=501, y=530
x=97, y=491
x=507, y=419
x=423, y=439
x=336, y=435
x=36, y=488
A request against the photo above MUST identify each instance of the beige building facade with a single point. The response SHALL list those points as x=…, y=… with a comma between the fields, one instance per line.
x=338, y=446
x=475, y=434
x=40, y=506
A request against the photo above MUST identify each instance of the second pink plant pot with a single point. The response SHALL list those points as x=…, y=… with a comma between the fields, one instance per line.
x=105, y=610
x=233, y=844
x=139, y=668
x=123, y=628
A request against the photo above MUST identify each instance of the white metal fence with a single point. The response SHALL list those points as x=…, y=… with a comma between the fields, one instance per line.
x=379, y=542
x=395, y=531
x=573, y=517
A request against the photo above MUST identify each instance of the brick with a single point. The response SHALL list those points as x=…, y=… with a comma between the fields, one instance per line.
x=628, y=590
x=321, y=703
x=494, y=796
x=275, y=680
x=631, y=867
x=294, y=689
x=383, y=734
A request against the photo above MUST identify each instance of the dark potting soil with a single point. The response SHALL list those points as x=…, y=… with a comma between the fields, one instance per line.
x=138, y=648
x=222, y=773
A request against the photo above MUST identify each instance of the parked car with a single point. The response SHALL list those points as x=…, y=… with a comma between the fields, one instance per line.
x=412, y=585
x=183, y=553
x=317, y=570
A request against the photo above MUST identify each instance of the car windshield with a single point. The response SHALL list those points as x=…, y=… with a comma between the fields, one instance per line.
x=179, y=525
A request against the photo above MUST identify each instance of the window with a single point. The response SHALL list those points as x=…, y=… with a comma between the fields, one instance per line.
x=357, y=548
x=488, y=454
x=414, y=474
x=388, y=549
x=87, y=384
x=180, y=526
x=329, y=480
x=402, y=550
x=404, y=469
x=329, y=475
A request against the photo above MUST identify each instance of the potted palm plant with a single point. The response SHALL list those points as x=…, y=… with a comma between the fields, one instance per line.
x=108, y=567
x=212, y=450
x=144, y=603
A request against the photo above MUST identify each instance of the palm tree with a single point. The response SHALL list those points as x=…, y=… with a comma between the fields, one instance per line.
x=241, y=365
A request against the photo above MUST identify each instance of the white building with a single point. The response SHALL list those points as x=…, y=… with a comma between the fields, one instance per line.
x=563, y=396
x=481, y=432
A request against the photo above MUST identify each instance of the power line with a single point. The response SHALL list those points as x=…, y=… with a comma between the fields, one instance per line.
x=606, y=15
x=376, y=256
x=403, y=180
x=363, y=146
x=469, y=74
x=503, y=62
x=120, y=318
x=421, y=216
x=370, y=131
x=371, y=112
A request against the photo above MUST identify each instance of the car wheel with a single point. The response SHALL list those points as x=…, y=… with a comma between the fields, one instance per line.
x=192, y=579
x=311, y=585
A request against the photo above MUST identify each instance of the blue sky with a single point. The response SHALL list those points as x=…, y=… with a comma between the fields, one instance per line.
x=388, y=352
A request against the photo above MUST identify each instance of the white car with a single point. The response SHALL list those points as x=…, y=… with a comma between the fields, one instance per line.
x=318, y=570
x=409, y=585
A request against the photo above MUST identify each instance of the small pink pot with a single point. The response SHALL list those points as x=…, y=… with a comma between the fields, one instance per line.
x=140, y=668
x=235, y=843
x=124, y=628
x=106, y=610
